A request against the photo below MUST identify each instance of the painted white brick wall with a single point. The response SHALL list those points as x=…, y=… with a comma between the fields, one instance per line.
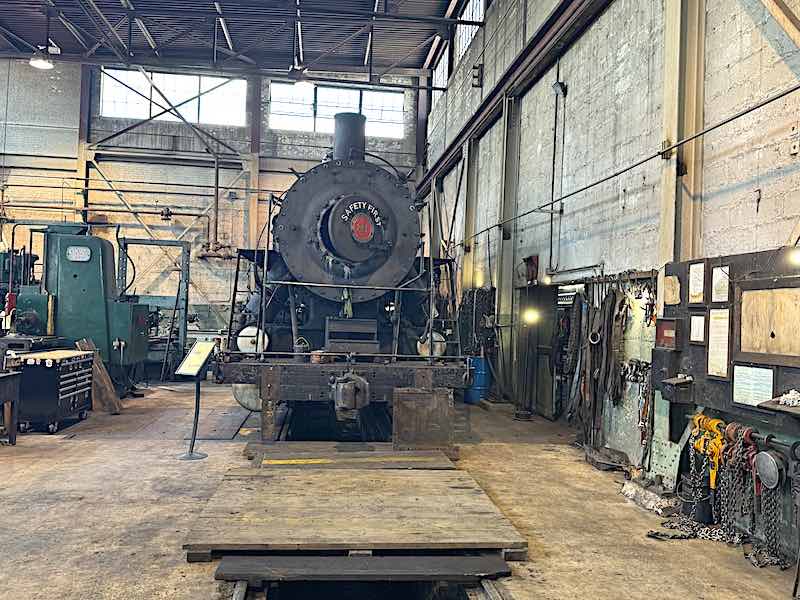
x=748, y=58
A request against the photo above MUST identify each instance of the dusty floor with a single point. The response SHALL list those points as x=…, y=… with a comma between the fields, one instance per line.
x=100, y=510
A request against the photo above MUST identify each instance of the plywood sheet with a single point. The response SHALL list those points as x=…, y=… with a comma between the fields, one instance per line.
x=769, y=321
x=350, y=509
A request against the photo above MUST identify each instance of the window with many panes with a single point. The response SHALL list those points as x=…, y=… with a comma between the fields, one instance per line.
x=305, y=107
x=472, y=11
x=440, y=75
x=291, y=106
x=224, y=101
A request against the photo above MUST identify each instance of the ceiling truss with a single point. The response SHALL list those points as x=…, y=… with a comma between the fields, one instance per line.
x=239, y=37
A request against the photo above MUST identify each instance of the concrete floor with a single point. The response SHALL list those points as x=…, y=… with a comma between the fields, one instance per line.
x=100, y=510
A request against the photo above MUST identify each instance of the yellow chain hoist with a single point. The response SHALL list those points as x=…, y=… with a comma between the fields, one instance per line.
x=709, y=439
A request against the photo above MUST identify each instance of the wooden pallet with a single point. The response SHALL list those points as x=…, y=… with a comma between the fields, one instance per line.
x=319, y=510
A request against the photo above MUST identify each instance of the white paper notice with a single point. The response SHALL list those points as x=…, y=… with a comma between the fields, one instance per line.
x=752, y=385
x=697, y=273
x=718, y=342
x=697, y=329
x=719, y=284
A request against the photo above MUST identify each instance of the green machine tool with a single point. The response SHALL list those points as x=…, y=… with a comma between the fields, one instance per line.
x=77, y=297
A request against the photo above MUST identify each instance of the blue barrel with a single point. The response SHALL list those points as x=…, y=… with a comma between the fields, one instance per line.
x=481, y=380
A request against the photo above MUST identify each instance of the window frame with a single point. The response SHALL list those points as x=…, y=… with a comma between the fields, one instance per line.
x=155, y=97
x=440, y=78
x=473, y=10
x=315, y=108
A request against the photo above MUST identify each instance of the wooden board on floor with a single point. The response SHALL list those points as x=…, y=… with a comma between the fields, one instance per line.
x=258, y=448
x=423, y=459
x=349, y=509
x=257, y=570
x=104, y=394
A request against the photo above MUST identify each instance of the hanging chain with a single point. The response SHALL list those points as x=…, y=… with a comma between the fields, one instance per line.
x=768, y=553
x=734, y=498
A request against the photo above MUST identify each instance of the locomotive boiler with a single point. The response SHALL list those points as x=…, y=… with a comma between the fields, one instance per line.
x=343, y=308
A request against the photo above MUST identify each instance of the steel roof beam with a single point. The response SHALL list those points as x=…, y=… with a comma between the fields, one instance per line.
x=323, y=13
x=333, y=49
x=299, y=33
x=17, y=39
x=99, y=43
x=107, y=40
x=194, y=67
x=73, y=29
x=409, y=53
x=269, y=34
x=205, y=43
x=14, y=39
x=128, y=5
x=368, y=49
x=224, y=24
x=108, y=24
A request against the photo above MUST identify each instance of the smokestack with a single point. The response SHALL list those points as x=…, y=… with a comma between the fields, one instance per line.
x=348, y=136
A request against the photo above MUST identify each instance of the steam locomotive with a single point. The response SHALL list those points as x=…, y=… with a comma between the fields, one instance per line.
x=344, y=307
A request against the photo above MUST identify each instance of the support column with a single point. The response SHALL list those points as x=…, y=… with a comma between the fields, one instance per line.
x=84, y=155
x=423, y=109
x=682, y=175
x=470, y=155
x=254, y=115
x=506, y=248
x=691, y=120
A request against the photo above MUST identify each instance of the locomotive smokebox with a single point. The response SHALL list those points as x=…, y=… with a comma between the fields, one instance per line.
x=348, y=136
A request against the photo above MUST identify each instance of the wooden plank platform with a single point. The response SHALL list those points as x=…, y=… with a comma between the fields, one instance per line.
x=423, y=459
x=260, y=570
x=341, y=510
x=256, y=449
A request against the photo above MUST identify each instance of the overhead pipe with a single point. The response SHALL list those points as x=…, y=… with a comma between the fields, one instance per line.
x=109, y=209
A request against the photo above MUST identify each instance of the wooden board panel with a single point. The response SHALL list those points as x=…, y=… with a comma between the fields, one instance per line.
x=422, y=418
x=769, y=321
x=429, y=459
x=351, y=509
x=104, y=393
x=255, y=449
x=256, y=570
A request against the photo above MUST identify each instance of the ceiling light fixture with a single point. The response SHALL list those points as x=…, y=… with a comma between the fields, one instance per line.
x=40, y=61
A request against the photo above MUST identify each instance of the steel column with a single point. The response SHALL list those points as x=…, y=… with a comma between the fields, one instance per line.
x=84, y=154
x=470, y=200
x=504, y=307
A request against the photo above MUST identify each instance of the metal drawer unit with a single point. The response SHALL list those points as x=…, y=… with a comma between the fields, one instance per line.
x=56, y=385
x=9, y=403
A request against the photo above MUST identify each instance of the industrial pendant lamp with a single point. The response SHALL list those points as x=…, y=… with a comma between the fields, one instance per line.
x=40, y=61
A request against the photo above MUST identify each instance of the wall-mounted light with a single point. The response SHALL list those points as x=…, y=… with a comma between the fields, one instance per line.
x=547, y=280
x=40, y=61
x=793, y=256
x=530, y=316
